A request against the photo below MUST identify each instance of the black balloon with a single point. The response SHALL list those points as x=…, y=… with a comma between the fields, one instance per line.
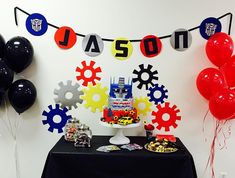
x=6, y=76
x=2, y=46
x=19, y=53
x=22, y=95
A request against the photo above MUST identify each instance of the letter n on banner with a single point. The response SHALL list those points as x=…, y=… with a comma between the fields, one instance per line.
x=181, y=39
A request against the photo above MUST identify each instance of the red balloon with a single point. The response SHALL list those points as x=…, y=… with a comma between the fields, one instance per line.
x=209, y=81
x=222, y=104
x=219, y=48
x=228, y=69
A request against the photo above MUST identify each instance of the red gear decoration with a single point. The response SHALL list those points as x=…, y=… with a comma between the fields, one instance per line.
x=90, y=68
x=171, y=111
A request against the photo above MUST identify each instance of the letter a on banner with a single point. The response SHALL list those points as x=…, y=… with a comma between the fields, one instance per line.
x=150, y=46
x=181, y=39
x=65, y=37
x=122, y=48
x=92, y=45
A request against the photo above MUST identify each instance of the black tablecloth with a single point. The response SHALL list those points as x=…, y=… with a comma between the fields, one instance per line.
x=66, y=161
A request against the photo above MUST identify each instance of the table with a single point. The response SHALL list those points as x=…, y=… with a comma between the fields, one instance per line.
x=66, y=161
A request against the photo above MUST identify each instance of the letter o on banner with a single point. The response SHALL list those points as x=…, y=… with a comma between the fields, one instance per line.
x=122, y=48
x=92, y=45
x=150, y=46
x=65, y=37
x=181, y=39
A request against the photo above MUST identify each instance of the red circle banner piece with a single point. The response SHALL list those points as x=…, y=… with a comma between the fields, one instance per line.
x=150, y=46
x=65, y=37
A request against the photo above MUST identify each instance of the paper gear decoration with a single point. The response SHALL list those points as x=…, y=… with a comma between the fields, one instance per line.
x=162, y=110
x=146, y=105
x=160, y=89
x=88, y=69
x=68, y=89
x=152, y=76
x=57, y=111
x=121, y=47
x=95, y=97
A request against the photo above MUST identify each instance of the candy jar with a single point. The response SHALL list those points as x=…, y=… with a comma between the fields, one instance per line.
x=71, y=129
x=149, y=131
x=83, y=137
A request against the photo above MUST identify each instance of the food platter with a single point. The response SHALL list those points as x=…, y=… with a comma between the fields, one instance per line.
x=160, y=147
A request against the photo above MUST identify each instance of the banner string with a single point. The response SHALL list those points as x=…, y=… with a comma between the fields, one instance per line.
x=135, y=40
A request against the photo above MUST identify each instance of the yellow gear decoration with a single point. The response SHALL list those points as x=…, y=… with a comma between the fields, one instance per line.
x=147, y=105
x=93, y=91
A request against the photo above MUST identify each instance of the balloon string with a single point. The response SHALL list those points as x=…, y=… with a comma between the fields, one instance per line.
x=226, y=134
x=8, y=119
x=5, y=122
x=211, y=157
x=17, y=124
x=220, y=125
x=204, y=122
x=220, y=129
x=16, y=160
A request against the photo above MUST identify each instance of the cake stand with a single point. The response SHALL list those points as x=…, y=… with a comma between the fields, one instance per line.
x=119, y=138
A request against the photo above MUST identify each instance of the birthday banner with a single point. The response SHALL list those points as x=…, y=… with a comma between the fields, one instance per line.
x=92, y=44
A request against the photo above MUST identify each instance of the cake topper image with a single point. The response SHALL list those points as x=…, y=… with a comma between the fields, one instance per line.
x=120, y=89
x=120, y=108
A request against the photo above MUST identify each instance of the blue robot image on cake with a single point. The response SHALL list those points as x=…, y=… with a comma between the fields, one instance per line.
x=120, y=108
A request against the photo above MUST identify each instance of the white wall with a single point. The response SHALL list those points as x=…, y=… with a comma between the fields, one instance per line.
x=132, y=19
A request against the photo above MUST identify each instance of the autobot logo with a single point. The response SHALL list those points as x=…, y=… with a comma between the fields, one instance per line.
x=36, y=24
x=210, y=29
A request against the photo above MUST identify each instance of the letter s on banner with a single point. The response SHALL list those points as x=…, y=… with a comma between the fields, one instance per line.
x=122, y=48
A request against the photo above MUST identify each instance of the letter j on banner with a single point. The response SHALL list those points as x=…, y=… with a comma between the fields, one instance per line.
x=122, y=48
x=150, y=46
x=65, y=37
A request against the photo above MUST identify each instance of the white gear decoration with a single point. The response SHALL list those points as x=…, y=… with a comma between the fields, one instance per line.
x=69, y=88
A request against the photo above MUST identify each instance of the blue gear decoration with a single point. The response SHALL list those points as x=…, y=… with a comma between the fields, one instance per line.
x=56, y=112
x=163, y=92
x=151, y=76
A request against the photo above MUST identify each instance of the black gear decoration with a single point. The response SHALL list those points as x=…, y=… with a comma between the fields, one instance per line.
x=149, y=81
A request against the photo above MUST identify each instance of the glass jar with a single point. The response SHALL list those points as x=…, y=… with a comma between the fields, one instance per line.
x=71, y=129
x=83, y=138
x=83, y=128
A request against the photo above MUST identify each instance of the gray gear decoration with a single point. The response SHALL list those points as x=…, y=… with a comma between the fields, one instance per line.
x=69, y=88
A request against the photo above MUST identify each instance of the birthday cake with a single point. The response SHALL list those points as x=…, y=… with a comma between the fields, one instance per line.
x=120, y=108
